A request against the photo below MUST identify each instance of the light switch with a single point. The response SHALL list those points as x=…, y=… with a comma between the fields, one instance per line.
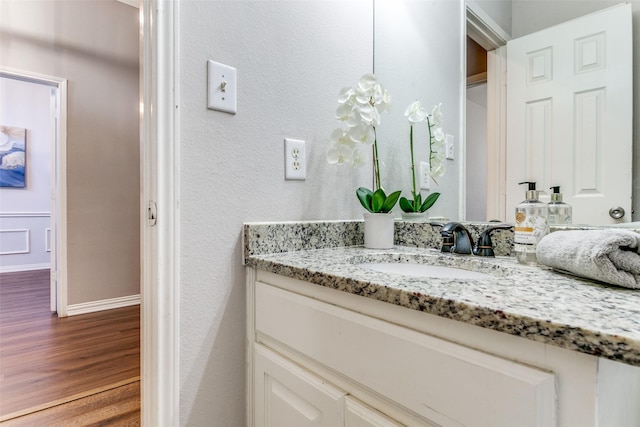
x=449, y=146
x=221, y=87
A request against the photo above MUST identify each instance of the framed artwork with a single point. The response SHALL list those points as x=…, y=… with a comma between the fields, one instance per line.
x=13, y=150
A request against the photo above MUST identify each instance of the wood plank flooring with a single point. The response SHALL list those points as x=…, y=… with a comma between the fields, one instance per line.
x=47, y=361
x=118, y=407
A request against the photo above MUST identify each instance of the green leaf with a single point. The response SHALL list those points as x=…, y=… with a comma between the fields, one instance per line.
x=406, y=205
x=417, y=202
x=391, y=201
x=429, y=201
x=377, y=201
x=365, y=196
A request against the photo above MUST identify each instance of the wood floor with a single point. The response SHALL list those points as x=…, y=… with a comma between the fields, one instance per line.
x=47, y=361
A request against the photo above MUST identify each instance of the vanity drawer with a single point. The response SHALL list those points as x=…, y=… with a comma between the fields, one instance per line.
x=444, y=382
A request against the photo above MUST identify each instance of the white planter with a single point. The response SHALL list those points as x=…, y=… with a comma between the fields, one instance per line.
x=378, y=230
x=415, y=216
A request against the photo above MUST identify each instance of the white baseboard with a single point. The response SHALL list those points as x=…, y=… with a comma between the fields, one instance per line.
x=105, y=304
x=25, y=267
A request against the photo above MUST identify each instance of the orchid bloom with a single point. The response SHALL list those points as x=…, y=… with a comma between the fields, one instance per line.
x=437, y=138
x=359, y=109
x=415, y=113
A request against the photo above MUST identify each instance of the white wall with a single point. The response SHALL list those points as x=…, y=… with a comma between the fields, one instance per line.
x=292, y=57
x=25, y=212
x=500, y=11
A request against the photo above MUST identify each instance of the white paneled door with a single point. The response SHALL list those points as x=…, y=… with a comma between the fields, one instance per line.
x=569, y=114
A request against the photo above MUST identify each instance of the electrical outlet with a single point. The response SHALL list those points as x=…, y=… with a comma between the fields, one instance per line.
x=295, y=163
x=449, y=139
x=425, y=178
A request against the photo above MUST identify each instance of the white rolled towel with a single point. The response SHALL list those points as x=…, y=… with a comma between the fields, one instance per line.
x=610, y=256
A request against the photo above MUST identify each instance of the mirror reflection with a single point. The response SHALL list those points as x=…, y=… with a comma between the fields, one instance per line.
x=475, y=186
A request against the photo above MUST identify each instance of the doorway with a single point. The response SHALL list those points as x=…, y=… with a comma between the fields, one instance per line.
x=476, y=132
x=36, y=104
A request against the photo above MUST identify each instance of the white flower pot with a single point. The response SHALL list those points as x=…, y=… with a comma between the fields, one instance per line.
x=378, y=230
x=415, y=216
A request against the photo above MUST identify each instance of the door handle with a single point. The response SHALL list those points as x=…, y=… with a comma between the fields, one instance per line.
x=616, y=212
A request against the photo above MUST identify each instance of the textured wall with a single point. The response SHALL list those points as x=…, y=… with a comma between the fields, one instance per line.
x=292, y=59
x=93, y=44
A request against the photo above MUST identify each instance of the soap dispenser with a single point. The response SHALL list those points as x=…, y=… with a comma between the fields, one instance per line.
x=559, y=212
x=531, y=225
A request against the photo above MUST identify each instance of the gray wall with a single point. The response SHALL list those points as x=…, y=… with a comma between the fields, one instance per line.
x=93, y=44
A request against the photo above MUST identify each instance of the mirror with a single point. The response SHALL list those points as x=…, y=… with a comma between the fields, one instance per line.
x=418, y=54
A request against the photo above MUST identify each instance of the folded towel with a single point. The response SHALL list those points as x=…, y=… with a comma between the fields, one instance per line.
x=610, y=256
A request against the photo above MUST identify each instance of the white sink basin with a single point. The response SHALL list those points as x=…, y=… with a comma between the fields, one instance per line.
x=424, y=270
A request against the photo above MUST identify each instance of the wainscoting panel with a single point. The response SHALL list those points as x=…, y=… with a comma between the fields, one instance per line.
x=14, y=242
x=25, y=241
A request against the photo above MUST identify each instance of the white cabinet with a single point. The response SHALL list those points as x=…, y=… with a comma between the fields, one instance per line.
x=288, y=395
x=357, y=414
x=322, y=357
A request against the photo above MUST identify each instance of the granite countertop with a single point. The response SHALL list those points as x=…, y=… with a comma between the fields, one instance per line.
x=532, y=302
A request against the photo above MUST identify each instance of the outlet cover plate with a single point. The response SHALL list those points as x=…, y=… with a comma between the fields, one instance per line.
x=295, y=161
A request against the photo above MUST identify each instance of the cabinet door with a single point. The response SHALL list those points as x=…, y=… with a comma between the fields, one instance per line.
x=287, y=395
x=357, y=414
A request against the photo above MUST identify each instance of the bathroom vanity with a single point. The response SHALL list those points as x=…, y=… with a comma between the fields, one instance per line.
x=334, y=341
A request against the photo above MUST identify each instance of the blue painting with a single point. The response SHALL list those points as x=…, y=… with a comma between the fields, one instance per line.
x=13, y=149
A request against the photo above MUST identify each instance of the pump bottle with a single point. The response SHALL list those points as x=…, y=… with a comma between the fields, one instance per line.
x=559, y=212
x=531, y=225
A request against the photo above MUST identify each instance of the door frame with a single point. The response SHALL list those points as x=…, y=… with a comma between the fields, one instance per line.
x=58, y=183
x=488, y=34
x=160, y=236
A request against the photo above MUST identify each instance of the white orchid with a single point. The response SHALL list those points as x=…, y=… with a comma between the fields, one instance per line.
x=415, y=113
x=436, y=143
x=436, y=115
x=342, y=147
x=359, y=109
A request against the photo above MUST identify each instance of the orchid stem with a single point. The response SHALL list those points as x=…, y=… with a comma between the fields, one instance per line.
x=430, y=144
x=376, y=164
x=413, y=165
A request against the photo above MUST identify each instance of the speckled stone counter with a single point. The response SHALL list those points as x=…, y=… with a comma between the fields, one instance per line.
x=532, y=302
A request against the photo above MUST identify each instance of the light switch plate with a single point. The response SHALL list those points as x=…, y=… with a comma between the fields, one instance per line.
x=221, y=87
x=449, y=146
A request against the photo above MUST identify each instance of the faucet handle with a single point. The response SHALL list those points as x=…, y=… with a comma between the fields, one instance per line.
x=484, y=247
x=447, y=237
